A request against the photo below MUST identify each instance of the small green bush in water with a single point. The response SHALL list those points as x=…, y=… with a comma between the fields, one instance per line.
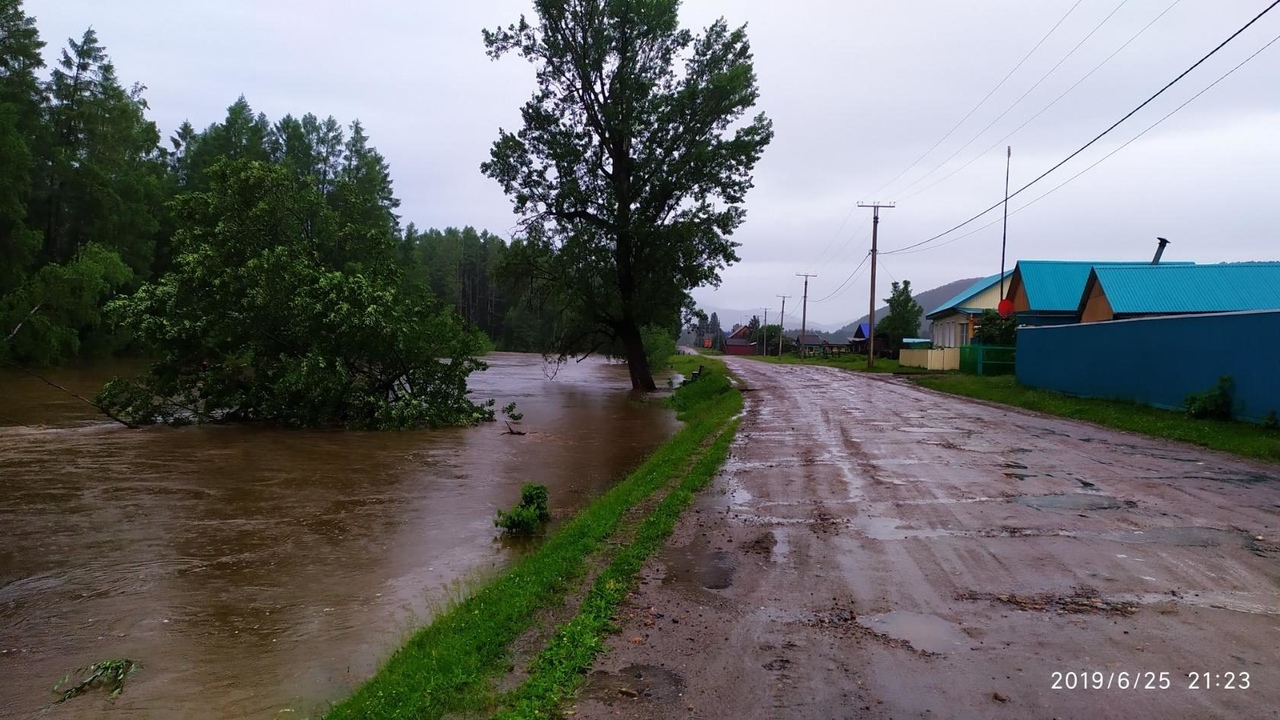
x=510, y=411
x=1214, y=403
x=1271, y=422
x=525, y=518
x=108, y=675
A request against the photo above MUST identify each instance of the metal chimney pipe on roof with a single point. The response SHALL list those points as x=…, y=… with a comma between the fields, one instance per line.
x=1159, y=251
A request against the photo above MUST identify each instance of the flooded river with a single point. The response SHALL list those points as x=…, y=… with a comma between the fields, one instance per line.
x=259, y=573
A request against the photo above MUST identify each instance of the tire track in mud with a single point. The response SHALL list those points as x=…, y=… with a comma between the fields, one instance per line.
x=876, y=527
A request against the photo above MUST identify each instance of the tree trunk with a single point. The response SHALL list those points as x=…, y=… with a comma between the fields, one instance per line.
x=637, y=360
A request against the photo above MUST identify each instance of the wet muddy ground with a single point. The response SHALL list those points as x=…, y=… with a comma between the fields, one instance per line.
x=258, y=573
x=875, y=550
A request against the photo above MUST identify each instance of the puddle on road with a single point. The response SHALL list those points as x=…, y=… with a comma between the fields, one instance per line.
x=1076, y=502
x=930, y=430
x=635, y=682
x=711, y=569
x=886, y=528
x=928, y=633
x=762, y=544
x=1184, y=537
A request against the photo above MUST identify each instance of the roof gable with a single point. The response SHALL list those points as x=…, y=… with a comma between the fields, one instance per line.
x=1159, y=289
x=1057, y=285
x=974, y=289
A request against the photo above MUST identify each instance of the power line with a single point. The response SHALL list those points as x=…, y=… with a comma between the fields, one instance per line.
x=1021, y=97
x=886, y=269
x=1097, y=162
x=1044, y=109
x=1100, y=135
x=837, y=235
x=853, y=240
x=980, y=102
x=847, y=280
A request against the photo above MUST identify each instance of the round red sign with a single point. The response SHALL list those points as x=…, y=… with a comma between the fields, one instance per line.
x=1005, y=308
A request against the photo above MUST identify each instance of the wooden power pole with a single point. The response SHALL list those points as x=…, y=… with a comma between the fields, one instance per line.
x=782, y=324
x=804, y=310
x=764, y=334
x=871, y=316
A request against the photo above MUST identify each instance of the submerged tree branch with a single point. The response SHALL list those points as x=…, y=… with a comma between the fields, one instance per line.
x=18, y=327
x=81, y=398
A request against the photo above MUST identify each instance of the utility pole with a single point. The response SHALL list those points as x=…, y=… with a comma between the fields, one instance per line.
x=764, y=332
x=804, y=310
x=782, y=324
x=871, y=316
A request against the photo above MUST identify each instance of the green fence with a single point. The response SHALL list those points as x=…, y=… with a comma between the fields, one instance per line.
x=987, y=360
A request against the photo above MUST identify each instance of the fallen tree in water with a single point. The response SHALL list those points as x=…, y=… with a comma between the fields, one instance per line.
x=288, y=307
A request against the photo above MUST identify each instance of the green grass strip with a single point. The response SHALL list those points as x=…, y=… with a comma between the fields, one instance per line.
x=1238, y=438
x=558, y=669
x=447, y=666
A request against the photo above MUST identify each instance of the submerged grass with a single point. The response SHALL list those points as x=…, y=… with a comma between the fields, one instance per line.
x=1238, y=438
x=107, y=674
x=447, y=667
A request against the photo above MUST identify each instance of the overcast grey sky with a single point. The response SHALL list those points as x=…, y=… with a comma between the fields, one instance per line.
x=857, y=91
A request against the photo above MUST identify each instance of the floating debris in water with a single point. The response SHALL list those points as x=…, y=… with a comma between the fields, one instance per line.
x=107, y=674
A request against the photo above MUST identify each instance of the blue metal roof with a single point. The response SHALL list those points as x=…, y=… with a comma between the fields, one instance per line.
x=1056, y=285
x=969, y=292
x=1224, y=287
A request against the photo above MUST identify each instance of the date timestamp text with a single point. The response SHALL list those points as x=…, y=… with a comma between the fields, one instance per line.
x=1146, y=680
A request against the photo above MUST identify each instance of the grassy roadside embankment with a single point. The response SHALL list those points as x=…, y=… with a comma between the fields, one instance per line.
x=449, y=666
x=1238, y=438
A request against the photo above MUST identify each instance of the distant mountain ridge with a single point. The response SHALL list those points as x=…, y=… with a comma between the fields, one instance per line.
x=929, y=300
x=729, y=316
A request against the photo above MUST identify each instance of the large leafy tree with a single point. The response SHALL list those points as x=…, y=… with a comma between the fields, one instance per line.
x=285, y=309
x=632, y=166
x=903, y=320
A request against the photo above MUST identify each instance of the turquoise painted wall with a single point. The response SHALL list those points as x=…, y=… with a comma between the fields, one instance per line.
x=1159, y=361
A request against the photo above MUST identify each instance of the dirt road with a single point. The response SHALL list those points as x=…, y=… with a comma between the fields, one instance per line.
x=875, y=550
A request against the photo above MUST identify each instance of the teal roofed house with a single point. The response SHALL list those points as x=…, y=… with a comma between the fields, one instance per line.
x=1048, y=292
x=954, y=320
x=1121, y=292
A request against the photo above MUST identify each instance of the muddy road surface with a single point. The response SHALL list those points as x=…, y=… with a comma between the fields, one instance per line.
x=875, y=550
x=260, y=573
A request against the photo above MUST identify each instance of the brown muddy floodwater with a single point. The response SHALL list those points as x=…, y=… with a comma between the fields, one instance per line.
x=261, y=573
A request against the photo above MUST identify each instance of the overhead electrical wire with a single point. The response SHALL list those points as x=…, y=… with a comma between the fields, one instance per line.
x=852, y=241
x=1021, y=97
x=836, y=236
x=885, y=267
x=846, y=282
x=1098, y=137
x=1044, y=109
x=1097, y=162
x=981, y=102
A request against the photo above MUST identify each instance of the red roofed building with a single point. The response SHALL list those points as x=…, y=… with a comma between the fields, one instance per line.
x=739, y=342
